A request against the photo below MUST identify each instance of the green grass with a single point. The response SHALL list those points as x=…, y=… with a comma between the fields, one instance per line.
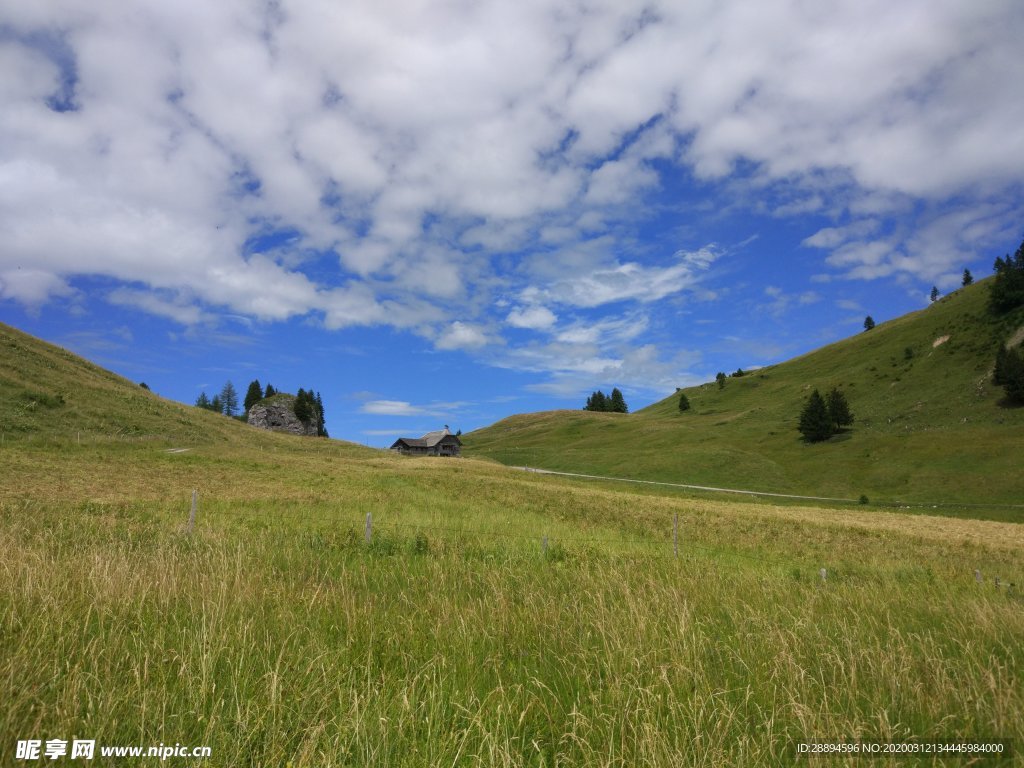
x=276, y=635
x=930, y=426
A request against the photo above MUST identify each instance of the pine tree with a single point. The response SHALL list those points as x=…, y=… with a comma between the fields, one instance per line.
x=270, y=392
x=228, y=399
x=253, y=395
x=720, y=378
x=321, y=424
x=203, y=401
x=839, y=410
x=302, y=407
x=216, y=404
x=617, y=404
x=684, y=402
x=934, y=295
x=869, y=323
x=815, y=422
x=968, y=278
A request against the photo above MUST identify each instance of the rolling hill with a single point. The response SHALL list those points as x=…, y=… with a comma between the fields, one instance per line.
x=930, y=427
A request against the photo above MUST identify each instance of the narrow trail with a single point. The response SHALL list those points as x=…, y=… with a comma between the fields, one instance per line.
x=687, y=486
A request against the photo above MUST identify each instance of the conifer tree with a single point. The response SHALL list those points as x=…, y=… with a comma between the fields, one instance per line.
x=228, y=399
x=321, y=423
x=216, y=404
x=616, y=403
x=934, y=295
x=270, y=392
x=839, y=410
x=815, y=421
x=869, y=323
x=253, y=395
x=203, y=401
x=720, y=378
x=303, y=411
x=684, y=402
x=967, y=279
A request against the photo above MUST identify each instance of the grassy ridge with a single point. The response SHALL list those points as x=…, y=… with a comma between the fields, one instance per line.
x=930, y=426
x=276, y=636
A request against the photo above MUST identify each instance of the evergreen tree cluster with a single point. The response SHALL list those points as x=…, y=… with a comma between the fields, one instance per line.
x=1008, y=285
x=613, y=403
x=310, y=408
x=225, y=402
x=823, y=417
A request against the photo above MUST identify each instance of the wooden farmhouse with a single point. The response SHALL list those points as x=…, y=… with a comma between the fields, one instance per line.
x=439, y=443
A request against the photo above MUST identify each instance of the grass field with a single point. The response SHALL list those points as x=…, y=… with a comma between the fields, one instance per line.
x=275, y=635
x=930, y=427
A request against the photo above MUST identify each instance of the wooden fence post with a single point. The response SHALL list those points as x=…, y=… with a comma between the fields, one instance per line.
x=369, y=527
x=192, y=513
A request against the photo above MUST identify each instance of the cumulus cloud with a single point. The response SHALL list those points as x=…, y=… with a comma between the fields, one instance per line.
x=423, y=154
x=535, y=318
x=460, y=335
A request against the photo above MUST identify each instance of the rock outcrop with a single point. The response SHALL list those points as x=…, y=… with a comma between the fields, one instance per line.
x=277, y=413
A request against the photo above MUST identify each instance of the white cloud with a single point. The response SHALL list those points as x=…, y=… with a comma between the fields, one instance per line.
x=460, y=335
x=421, y=144
x=627, y=282
x=535, y=318
x=391, y=408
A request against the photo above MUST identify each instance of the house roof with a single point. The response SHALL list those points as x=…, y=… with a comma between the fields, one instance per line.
x=429, y=440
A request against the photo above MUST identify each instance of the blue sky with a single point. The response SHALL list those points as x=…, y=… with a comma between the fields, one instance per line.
x=449, y=212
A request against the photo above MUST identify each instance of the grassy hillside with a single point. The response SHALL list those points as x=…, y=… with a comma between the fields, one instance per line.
x=275, y=635
x=930, y=426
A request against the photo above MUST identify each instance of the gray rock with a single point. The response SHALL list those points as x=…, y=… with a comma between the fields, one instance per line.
x=277, y=414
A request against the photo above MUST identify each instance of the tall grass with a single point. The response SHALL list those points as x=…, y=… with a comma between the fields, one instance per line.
x=276, y=636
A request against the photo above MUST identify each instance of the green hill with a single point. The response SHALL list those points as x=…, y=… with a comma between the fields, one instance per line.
x=929, y=424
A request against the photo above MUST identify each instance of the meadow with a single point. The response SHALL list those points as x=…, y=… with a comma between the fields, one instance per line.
x=276, y=635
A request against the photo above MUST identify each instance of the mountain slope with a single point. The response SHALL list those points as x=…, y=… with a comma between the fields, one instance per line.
x=929, y=424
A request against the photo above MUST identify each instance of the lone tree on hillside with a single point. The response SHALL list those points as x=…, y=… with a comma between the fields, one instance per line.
x=253, y=395
x=815, y=421
x=869, y=323
x=934, y=295
x=203, y=401
x=720, y=377
x=967, y=279
x=229, y=399
x=684, y=402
